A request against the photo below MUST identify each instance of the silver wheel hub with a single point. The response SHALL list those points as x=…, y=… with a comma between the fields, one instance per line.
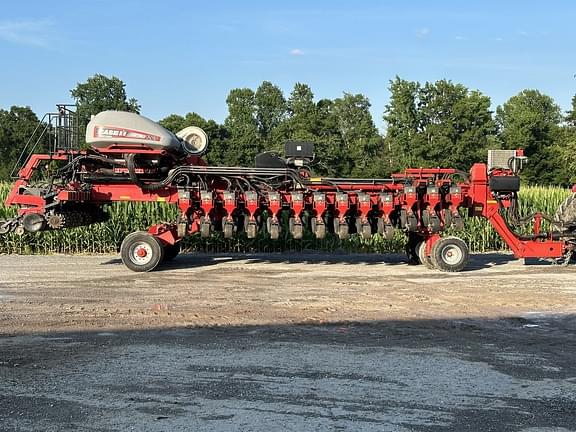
x=141, y=253
x=451, y=255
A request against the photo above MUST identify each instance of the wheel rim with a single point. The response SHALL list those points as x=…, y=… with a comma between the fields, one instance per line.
x=451, y=254
x=141, y=253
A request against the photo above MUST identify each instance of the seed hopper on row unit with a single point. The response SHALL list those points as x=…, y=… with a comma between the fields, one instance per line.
x=131, y=158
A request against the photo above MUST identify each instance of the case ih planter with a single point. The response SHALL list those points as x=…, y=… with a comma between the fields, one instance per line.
x=132, y=158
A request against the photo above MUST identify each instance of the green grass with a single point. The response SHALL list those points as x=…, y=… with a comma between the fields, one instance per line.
x=127, y=217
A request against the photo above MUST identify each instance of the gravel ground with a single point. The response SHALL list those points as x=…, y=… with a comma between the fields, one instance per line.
x=286, y=342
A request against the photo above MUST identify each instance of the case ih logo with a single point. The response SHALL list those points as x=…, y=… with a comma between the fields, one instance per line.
x=114, y=132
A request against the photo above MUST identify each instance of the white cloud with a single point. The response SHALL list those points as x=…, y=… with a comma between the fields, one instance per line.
x=461, y=38
x=296, y=52
x=422, y=32
x=36, y=33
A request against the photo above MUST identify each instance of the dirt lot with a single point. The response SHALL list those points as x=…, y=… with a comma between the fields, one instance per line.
x=286, y=342
x=55, y=293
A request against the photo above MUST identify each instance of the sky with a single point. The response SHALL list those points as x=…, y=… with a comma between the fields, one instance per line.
x=185, y=56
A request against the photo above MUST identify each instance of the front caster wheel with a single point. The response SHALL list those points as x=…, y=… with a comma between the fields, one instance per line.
x=449, y=254
x=141, y=251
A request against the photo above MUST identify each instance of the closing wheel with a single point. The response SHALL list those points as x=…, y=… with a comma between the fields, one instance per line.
x=411, y=223
x=449, y=254
x=228, y=229
x=380, y=226
x=273, y=229
x=366, y=231
x=424, y=259
x=434, y=223
x=320, y=231
x=426, y=218
x=341, y=229
x=388, y=232
x=251, y=230
x=171, y=252
x=457, y=223
x=296, y=228
x=141, y=251
x=205, y=227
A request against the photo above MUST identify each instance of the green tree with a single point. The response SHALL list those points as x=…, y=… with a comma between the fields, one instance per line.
x=530, y=121
x=402, y=119
x=271, y=113
x=362, y=144
x=456, y=123
x=101, y=93
x=437, y=124
x=16, y=128
x=242, y=126
x=303, y=122
x=566, y=146
x=571, y=115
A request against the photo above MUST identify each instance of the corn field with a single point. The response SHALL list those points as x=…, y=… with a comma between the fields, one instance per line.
x=126, y=217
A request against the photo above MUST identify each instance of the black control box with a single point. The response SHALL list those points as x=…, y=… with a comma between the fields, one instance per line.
x=299, y=150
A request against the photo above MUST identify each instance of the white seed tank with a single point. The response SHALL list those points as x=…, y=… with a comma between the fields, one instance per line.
x=125, y=129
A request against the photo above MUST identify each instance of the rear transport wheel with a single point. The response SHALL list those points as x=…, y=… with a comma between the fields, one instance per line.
x=141, y=251
x=449, y=254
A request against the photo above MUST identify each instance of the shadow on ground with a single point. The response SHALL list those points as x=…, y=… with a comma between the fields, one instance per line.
x=509, y=374
x=191, y=260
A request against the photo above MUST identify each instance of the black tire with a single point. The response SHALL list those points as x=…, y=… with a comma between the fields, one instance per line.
x=148, y=245
x=424, y=259
x=171, y=252
x=450, y=254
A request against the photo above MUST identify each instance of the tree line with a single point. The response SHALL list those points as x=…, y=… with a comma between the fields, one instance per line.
x=427, y=125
